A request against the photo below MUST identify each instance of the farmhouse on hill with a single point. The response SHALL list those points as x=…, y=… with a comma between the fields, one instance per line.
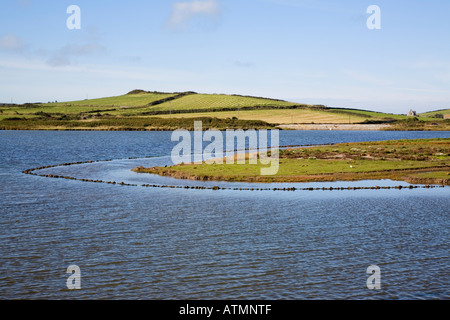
x=412, y=113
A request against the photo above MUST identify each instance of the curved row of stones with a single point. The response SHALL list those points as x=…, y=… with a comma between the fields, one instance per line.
x=32, y=172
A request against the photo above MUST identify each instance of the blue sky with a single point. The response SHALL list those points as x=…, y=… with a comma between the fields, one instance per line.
x=306, y=51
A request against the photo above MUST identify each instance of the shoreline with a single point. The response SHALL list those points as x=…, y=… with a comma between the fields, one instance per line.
x=282, y=127
x=413, y=161
x=336, y=126
x=405, y=175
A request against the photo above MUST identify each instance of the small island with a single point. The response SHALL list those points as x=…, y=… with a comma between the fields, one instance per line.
x=421, y=161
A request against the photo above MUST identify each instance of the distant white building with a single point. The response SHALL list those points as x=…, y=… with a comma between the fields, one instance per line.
x=412, y=113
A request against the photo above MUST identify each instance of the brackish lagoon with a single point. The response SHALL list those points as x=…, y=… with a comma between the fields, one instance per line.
x=132, y=242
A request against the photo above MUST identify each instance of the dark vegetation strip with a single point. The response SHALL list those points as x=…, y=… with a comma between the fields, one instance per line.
x=161, y=101
x=128, y=124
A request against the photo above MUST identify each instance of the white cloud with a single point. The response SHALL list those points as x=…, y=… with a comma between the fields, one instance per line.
x=11, y=42
x=72, y=82
x=99, y=71
x=183, y=12
x=65, y=55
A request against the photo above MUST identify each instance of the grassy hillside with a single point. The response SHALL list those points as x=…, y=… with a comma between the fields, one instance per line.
x=127, y=100
x=137, y=104
x=433, y=114
x=142, y=103
x=220, y=102
x=110, y=104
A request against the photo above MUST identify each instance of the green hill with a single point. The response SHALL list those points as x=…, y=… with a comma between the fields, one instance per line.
x=436, y=114
x=140, y=104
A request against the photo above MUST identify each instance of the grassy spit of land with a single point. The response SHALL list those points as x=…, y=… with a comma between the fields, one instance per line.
x=143, y=110
x=424, y=161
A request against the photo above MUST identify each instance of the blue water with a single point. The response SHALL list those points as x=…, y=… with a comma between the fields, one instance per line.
x=152, y=243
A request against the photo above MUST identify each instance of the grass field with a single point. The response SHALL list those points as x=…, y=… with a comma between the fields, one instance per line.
x=219, y=102
x=278, y=116
x=127, y=100
x=368, y=114
x=396, y=160
x=288, y=116
x=433, y=113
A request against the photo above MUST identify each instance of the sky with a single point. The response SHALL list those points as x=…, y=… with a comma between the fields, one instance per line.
x=305, y=51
